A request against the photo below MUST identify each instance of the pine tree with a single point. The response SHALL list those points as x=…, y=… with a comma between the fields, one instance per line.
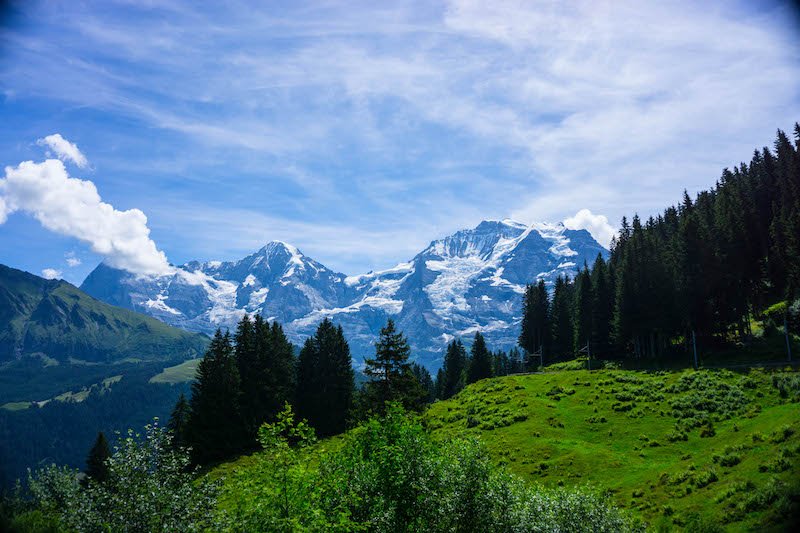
x=215, y=428
x=563, y=331
x=427, y=392
x=96, y=467
x=480, y=363
x=248, y=366
x=325, y=380
x=453, y=369
x=535, y=334
x=390, y=371
x=500, y=363
x=279, y=371
x=602, y=308
x=179, y=422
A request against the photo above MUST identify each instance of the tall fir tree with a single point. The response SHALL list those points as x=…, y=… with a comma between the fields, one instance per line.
x=179, y=422
x=453, y=369
x=562, y=328
x=535, y=334
x=480, y=362
x=250, y=371
x=325, y=380
x=427, y=387
x=215, y=428
x=391, y=378
x=96, y=462
x=602, y=308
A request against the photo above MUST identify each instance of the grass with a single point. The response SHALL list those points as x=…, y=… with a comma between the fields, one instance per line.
x=15, y=406
x=181, y=373
x=681, y=449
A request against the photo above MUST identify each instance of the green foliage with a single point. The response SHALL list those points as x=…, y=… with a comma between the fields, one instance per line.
x=279, y=493
x=215, y=428
x=391, y=378
x=535, y=328
x=453, y=370
x=391, y=475
x=567, y=428
x=266, y=366
x=480, y=362
x=96, y=462
x=149, y=488
x=325, y=380
x=178, y=423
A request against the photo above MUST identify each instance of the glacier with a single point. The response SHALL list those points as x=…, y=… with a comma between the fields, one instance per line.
x=472, y=280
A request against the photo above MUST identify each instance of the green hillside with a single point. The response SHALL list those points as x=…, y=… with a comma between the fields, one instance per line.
x=678, y=448
x=71, y=366
x=57, y=320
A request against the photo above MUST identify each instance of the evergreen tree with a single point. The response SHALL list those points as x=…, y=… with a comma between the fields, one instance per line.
x=453, y=369
x=279, y=370
x=480, y=364
x=215, y=427
x=96, y=467
x=391, y=378
x=535, y=334
x=602, y=308
x=500, y=363
x=325, y=385
x=179, y=422
x=563, y=331
x=248, y=365
x=427, y=391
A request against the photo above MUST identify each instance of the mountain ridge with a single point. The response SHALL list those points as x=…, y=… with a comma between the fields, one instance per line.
x=470, y=280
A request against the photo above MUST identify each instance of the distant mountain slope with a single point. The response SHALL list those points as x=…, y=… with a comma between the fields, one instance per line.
x=471, y=280
x=51, y=318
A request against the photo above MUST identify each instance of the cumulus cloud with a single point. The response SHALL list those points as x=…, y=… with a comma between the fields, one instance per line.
x=73, y=207
x=72, y=261
x=64, y=150
x=597, y=225
x=51, y=273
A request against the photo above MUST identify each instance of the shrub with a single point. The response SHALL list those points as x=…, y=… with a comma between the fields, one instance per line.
x=705, y=477
x=150, y=487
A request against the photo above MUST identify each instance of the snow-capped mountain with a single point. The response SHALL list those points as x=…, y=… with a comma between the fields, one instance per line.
x=471, y=280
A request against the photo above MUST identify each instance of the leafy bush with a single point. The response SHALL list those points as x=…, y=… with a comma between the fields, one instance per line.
x=391, y=475
x=149, y=488
x=788, y=385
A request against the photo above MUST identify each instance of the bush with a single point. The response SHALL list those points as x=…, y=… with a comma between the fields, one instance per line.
x=390, y=475
x=149, y=488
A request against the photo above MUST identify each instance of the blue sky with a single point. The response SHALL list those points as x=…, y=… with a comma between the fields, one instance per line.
x=361, y=131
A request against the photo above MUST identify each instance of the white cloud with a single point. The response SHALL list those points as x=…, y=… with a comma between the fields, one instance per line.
x=72, y=261
x=73, y=207
x=597, y=225
x=64, y=150
x=51, y=273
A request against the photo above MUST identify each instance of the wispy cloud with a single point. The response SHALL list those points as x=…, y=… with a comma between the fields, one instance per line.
x=64, y=150
x=364, y=120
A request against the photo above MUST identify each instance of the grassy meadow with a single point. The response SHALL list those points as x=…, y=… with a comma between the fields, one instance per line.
x=687, y=448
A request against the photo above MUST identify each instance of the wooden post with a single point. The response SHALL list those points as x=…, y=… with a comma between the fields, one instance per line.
x=588, y=354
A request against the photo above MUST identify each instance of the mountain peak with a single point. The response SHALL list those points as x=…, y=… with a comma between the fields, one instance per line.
x=273, y=247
